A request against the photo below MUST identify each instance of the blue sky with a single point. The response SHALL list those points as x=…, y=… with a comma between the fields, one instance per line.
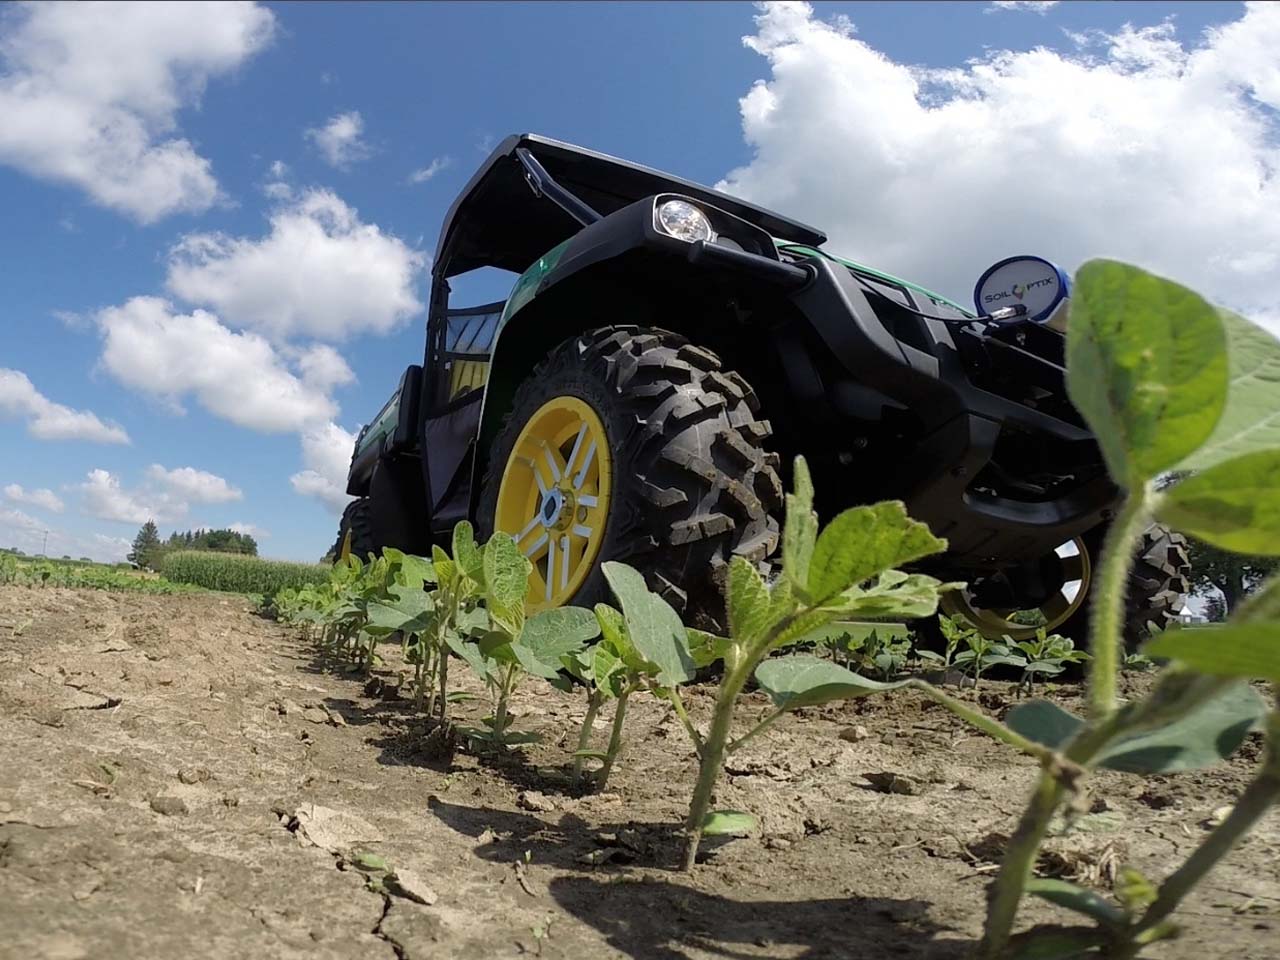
x=401, y=87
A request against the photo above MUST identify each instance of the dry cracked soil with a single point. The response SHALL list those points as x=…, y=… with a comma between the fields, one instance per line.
x=182, y=778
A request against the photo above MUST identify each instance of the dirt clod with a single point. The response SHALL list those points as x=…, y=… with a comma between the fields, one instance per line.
x=169, y=806
x=193, y=774
x=536, y=801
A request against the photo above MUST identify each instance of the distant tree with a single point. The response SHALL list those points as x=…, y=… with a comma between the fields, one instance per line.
x=85, y=560
x=219, y=541
x=147, y=548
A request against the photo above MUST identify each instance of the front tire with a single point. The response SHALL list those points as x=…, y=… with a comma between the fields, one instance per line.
x=680, y=484
x=357, y=523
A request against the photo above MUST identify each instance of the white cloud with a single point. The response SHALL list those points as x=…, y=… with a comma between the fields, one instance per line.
x=236, y=376
x=250, y=530
x=191, y=484
x=90, y=93
x=106, y=499
x=25, y=532
x=340, y=141
x=324, y=368
x=319, y=272
x=1034, y=6
x=326, y=453
x=1147, y=150
x=43, y=498
x=423, y=174
x=46, y=420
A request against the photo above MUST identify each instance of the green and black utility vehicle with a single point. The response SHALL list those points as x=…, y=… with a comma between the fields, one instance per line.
x=664, y=353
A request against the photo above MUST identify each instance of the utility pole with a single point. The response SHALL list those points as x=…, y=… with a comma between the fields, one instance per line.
x=44, y=551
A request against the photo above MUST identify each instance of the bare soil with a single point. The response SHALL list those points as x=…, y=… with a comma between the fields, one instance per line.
x=157, y=752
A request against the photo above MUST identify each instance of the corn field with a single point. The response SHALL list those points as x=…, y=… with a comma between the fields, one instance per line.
x=239, y=574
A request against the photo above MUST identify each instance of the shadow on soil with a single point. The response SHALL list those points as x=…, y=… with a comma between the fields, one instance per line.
x=666, y=920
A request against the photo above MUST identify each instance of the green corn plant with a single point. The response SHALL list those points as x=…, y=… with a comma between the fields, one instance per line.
x=1149, y=368
x=847, y=572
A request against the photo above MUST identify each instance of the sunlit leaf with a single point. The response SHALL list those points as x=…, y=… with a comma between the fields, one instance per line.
x=799, y=530
x=551, y=635
x=506, y=572
x=1251, y=418
x=1234, y=505
x=706, y=648
x=803, y=680
x=748, y=601
x=1146, y=366
x=864, y=541
x=728, y=823
x=654, y=628
x=465, y=552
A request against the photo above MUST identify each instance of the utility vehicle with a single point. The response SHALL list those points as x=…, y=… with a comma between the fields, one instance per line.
x=664, y=353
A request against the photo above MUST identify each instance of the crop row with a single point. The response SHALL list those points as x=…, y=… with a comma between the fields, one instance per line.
x=1148, y=367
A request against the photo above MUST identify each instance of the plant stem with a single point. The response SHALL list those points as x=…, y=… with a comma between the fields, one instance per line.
x=1258, y=797
x=760, y=727
x=442, y=669
x=1106, y=628
x=711, y=760
x=993, y=728
x=677, y=704
x=594, y=699
x=419, y=689
x=615, y=739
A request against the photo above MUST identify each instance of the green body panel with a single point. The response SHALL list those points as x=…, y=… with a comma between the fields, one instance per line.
x=384, y=424
x=526, y=286
x=872, y=271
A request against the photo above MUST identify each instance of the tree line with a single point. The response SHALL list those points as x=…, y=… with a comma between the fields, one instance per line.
x=149, y=549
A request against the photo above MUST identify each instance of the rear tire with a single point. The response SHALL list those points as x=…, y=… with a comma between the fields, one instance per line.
x=1159, y=582
x=691, y=484
x=357, y=520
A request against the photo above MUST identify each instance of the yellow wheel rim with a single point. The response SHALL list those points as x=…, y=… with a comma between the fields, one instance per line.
x=554, y=497
x=1077, y=571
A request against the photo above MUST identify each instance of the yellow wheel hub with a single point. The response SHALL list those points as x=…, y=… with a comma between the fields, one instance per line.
x=554, y=497
x=1077, y=576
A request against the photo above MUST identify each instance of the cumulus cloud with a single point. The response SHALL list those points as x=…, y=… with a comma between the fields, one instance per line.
x=90, y=94
x=106, y=499
x=423, y=174
x=250, y=530
x=320, y=271
x=239, y=377
x=1034, y=6
x=190, y=484
x=1141, y=146
x=46, y=420
x=43, y=498
x=326, y=454
x=340, y=140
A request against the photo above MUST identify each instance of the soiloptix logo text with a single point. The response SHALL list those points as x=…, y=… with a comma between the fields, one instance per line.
x=1018, y=290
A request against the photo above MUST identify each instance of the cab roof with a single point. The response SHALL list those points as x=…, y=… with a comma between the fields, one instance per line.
x=497, y=221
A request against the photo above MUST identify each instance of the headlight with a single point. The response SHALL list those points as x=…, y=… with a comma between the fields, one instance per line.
x=684, y=221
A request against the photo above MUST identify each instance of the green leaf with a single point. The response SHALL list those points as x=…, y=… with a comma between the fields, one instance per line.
x=654, y=628
x=1249, y=650
x=552, y=635
x=416, y=571
x=591, y=754
x=803, y=680
x=1146, y=366
x=748, y=601
x=506, y=572
x=470, y=653
x=1251, y=420
x=446, y=570
x=865, y=541
x=370, y=861
x=1059, y=944
x=727, y=823
x=1079, y=899
x=706, y=648
x=1198, y=739
x=465, y=552
x=606, y=667
x=894, y=595
x=800, y=530
x=1234, y=505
